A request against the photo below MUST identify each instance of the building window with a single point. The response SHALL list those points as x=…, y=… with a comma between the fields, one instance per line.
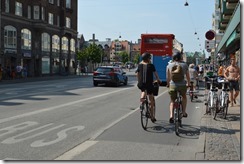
x=50, y=18
x=7, y=6
x=68, y=22
x=36, y=12
x=29, y=12
x=45, y=42
x=51, y=1
x=65, y=44
x=26, y=39
x=58, y=21
x=43, y=13
x=72, y=45
x=68, y=4
x=10, y=37
x=18, y=8
x=58, y=2
x=55, y=43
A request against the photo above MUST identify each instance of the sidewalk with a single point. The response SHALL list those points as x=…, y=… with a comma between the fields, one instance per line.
x=222, y=136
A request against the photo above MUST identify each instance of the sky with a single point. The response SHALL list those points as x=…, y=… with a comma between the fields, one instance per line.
x=130, y=18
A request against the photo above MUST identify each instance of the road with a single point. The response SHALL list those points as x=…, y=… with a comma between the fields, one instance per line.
x=69, y=119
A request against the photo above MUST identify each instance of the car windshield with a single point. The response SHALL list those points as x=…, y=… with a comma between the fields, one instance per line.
x=104, y=69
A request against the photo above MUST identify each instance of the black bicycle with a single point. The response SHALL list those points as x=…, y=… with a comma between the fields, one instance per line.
x=178, y=112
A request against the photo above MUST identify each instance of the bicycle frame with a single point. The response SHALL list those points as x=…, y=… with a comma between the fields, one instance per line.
x=177, y=113
x=212, y=101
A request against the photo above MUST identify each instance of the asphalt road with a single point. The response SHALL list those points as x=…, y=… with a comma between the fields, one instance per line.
x=69, y=119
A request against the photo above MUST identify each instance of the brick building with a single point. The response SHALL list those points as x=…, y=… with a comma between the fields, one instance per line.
x=40, y=34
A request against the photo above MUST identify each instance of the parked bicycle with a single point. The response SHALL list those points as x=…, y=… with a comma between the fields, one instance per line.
x=178, y=113
x=212, y=100
x=224, y=97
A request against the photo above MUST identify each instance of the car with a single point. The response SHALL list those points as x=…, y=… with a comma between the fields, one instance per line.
x=109, y=75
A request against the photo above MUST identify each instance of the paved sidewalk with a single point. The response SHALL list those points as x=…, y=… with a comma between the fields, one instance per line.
x=222, y=136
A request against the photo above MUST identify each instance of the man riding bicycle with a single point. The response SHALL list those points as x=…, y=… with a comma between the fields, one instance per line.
x=179, y=84
x=145, y=72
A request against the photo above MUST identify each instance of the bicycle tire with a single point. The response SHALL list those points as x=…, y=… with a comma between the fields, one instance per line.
x=176, y=119
x=214, y=108
x=225, y=109
x=191, y=97
x=144, y=115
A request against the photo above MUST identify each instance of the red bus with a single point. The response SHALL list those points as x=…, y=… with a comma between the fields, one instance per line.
x=161, y=46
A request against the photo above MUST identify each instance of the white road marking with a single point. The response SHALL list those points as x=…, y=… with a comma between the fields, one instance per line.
x=76, y=151
x=69, y=155
x=61, y=136
x=57, y=107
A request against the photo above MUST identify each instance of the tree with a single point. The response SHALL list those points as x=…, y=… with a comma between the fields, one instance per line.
x=124, y=56
x=94, y=53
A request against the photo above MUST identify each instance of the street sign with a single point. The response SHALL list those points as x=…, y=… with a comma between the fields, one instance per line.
x=210, y=35
x=209, y=44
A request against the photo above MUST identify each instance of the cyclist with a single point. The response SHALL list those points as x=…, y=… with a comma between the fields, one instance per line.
x=181, y=85
x=145, y=72
x=193, y=76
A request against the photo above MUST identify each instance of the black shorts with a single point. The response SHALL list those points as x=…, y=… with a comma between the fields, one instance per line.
x=234, y=85
x=148, y=88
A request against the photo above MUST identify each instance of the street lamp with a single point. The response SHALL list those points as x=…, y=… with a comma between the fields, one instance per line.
x=186, y=4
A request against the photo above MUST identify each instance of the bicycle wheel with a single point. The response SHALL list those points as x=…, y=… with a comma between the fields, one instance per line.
x=214, y=108
x=191, y=96
x=176, y=119
x=144, y=115
x=225, y=108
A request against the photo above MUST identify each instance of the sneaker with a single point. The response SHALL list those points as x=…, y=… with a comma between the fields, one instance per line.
x=171, y=120
x=196, y=97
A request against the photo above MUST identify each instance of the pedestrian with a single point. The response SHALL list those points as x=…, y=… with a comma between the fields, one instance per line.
x=24, y=71
x=145, y=73
x=86, y=70
x=221, y=70
x=232, y=74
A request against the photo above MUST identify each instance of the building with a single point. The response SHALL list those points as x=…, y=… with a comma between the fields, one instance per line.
x=40, y=34
x=226, y=24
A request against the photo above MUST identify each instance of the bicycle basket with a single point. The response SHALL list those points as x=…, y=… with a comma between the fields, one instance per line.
x=155, y=88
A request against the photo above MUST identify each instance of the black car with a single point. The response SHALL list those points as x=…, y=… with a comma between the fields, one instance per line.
x=109, y=75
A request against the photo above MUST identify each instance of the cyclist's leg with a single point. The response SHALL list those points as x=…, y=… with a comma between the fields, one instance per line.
x=173, y=96
x=152, y=107
x=183, y=90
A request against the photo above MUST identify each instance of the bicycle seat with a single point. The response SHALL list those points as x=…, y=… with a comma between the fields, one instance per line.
x=214, y=89
x=226, y=90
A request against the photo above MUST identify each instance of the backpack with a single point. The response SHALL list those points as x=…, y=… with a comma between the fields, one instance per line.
x=177, y=74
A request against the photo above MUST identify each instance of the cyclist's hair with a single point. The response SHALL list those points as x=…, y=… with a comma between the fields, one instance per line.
x=146, y=56
x=176, y=56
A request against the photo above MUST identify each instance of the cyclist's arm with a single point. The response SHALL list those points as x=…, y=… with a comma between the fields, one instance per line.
x=157, y=77
x=168, y=76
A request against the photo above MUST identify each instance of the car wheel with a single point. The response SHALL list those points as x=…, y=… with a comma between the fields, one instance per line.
x=95, y=83
x=126, y=81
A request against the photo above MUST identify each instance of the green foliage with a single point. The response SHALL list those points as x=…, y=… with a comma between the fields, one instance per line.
x=91, y=53
x=136, y=58
x=124, y=56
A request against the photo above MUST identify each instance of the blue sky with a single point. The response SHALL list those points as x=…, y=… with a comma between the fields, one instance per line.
x=131, y=18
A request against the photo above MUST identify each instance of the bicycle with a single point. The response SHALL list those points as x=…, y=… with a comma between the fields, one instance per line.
x=177, y=109
x=145, y=111
x=212, y=101
x=191, y=91
x=224, y=97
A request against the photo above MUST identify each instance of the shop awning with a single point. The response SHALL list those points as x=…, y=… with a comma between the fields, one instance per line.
x=230, y=32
